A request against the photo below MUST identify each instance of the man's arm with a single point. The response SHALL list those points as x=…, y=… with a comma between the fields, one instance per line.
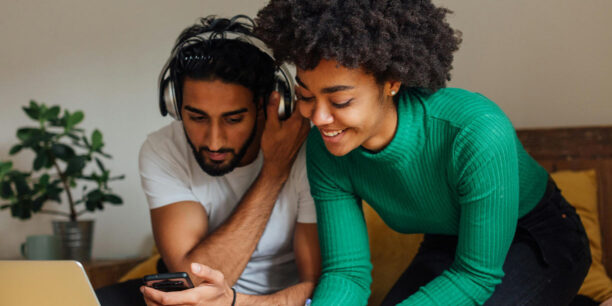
x=181, y=229
x=308, y=259
x=216, y=290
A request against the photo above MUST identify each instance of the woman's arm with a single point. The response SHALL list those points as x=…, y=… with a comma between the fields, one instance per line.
x=487, y=186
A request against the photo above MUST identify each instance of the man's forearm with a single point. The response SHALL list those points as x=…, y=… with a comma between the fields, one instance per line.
x=230, y=247
x=294, y=295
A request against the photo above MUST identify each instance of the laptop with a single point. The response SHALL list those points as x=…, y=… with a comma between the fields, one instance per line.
x=45, y=283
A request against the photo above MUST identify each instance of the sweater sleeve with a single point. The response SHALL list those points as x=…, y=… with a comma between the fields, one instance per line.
x=346, y=267
x=485, y=170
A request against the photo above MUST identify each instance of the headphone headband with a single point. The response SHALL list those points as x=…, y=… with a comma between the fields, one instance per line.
x=168, y=90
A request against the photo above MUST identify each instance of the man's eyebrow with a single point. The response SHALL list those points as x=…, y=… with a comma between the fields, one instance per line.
x=195, y=110
x=230, y=113
x=326, y=90
x=236, y=112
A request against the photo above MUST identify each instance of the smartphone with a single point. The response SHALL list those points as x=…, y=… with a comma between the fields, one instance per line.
x=168, y=281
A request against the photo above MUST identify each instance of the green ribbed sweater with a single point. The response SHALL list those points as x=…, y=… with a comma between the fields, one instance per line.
x=454, y=166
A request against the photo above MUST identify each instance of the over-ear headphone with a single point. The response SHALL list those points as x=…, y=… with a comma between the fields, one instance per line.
x=170, y=93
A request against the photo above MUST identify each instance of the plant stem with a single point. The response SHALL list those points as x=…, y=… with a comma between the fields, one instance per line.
x=73, y=214
x=54, y=212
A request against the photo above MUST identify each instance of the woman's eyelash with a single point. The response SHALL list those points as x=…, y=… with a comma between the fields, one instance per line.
x=342, y=104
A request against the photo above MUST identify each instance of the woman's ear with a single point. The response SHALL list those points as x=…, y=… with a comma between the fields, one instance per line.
x=391, y=88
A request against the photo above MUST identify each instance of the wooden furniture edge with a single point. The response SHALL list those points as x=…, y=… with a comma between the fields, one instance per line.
x=579, y=148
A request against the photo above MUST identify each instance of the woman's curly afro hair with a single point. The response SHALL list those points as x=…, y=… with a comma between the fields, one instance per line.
x=405, y=40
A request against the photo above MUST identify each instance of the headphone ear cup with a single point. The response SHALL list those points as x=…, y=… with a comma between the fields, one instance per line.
x=285, y=107
x=172, y=101
x=167, y=97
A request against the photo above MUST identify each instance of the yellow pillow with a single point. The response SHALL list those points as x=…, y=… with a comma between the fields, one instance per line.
x=146, y=267
x=580, y=189
x=390, y=252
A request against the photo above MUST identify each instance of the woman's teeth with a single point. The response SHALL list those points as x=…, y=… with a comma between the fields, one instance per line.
x=332, y=133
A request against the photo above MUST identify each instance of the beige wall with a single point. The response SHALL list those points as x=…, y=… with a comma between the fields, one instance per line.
x=546, y=63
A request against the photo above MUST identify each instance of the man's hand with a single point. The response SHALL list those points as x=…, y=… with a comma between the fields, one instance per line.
x=212, y=291
x=282, y=140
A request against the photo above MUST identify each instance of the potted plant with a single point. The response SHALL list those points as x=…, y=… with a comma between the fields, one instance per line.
x=62, y=155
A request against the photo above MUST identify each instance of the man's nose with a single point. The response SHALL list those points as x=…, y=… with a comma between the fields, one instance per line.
x=216, y=137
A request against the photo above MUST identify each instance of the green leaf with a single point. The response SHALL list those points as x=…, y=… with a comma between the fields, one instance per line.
x=25, y=134
x=62, y=151
x=22, y=209
x=57, y=122
x=33, y=111
x=91, y=205
x=53, y=192
x=86, y=142
x=73, y=136
x=74, y=119
x=113, y=199
x=52, y=113
x=44, y=180
x=15, y=149
x=95, y=195
x=119, y=177
x=100, y=165
x=96, y=140
x=75, y=165
x=5, y=190
x=37, y=204
x=40, y=160
x=5, y=167
x=23, y=189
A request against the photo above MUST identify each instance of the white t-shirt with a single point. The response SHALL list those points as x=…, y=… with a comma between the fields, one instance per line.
x=169, y=173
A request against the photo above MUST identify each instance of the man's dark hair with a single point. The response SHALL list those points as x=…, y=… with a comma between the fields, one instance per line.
x=227, y=60
x=405, y=40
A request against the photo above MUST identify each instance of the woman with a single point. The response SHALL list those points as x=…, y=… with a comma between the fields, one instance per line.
x=429, y=159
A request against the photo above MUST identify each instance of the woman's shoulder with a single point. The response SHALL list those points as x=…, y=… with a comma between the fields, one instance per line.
x=461, y=107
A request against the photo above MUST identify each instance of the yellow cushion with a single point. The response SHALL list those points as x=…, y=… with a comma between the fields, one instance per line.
x=390, y=252
x=580, y=189
x=146, y=267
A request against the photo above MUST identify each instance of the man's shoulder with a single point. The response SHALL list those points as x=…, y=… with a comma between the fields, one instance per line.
x=168, y=140
x=170, y=133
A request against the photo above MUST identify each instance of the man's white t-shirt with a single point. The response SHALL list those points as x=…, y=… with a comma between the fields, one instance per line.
x=169, y=173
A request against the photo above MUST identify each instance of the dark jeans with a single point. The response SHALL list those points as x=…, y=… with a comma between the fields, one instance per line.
x=126, y=293
x=546, y=263
x=122, y=294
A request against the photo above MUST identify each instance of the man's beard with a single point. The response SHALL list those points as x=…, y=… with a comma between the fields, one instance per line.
x=215, y=169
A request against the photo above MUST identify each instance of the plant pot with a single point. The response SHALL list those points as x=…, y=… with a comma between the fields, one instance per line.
x=76, y=239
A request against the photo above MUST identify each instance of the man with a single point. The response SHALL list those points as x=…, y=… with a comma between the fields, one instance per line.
x=227, y=187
